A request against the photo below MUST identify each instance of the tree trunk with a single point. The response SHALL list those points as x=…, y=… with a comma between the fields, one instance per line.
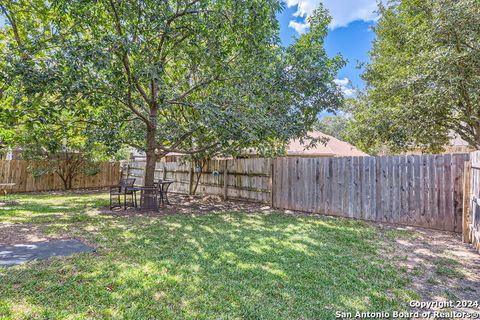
x=65, y=184
x=151, y=160
x=199, y=164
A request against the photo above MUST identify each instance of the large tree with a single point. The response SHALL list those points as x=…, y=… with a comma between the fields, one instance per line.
x=423, y=81
x=181, y=76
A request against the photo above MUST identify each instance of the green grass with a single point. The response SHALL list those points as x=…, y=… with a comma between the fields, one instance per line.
x=205, y=266
x=448, y=267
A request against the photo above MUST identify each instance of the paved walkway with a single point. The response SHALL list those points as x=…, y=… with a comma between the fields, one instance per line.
x=20, y=253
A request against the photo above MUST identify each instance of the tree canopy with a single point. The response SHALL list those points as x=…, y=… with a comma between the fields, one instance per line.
x=423, y=81
x=171, y=76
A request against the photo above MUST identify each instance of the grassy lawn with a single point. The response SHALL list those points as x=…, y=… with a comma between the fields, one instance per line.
x=221, y=265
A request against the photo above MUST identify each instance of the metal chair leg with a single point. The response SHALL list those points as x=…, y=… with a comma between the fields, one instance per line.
x=166, y=195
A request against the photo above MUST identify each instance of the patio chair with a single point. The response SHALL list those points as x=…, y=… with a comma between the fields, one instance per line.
x=158, y=185
x=124, y=189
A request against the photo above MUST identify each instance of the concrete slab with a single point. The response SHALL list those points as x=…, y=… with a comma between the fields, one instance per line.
x=20, y=253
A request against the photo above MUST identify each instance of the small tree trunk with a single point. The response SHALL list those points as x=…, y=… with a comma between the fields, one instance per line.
x=65, y=184
x=198, y=175
x=151, y=159
x=70, y=181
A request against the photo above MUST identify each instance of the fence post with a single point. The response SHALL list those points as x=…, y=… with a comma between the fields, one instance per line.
x=272, y=183
x=125, y=170
x=164, y=172
x=190, y=178
x=466, y=218
x=225, y=180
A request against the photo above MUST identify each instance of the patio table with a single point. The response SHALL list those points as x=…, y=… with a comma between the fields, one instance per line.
x=164, y=185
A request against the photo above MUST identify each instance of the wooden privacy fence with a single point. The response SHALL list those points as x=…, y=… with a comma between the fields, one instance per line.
x=242, y=179
x=416, y=190
x=18, y=172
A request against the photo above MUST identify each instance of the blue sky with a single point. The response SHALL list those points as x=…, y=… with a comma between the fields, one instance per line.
x=350, y=32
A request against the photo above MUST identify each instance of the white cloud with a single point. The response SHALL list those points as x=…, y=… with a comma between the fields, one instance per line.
x=349, y=93
x=346, y=86
x=342, y=11
x=342, y=82
x=298, y=26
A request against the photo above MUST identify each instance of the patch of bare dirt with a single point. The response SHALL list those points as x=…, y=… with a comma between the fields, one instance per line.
x=22, y=233
x=184, y=204
x=70, y=192
x=4, y=203
x=441, y=266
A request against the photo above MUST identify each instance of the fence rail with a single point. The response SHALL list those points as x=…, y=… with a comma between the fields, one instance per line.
x=246, y=179
x=17, y=172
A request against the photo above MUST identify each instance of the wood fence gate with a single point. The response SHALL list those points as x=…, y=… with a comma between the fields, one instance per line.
x=416, y=190
x=471, y=216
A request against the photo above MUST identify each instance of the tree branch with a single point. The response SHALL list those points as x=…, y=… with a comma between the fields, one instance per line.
x=13, y=23
x=124, y=56
x=168, y=150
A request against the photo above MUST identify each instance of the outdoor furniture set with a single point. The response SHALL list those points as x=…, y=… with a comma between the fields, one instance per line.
x=150, y=197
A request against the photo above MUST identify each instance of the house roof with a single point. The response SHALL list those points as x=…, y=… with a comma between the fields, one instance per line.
x=456, y=140
x=332, y=148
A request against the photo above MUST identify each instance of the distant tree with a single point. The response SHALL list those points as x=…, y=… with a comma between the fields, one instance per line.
x=60, y=145
x=423, y=81
x=334, y=125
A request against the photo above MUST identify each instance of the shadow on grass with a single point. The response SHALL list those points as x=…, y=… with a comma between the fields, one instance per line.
x=211, y=266
x=45, y=209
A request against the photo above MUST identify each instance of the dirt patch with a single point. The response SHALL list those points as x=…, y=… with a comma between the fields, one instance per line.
x=21, y=233
x=68, y=192
x=441, y=266
x=5, y=203
x=184, y=204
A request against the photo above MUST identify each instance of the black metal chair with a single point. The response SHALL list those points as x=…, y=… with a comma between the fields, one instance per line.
x=124, y=188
